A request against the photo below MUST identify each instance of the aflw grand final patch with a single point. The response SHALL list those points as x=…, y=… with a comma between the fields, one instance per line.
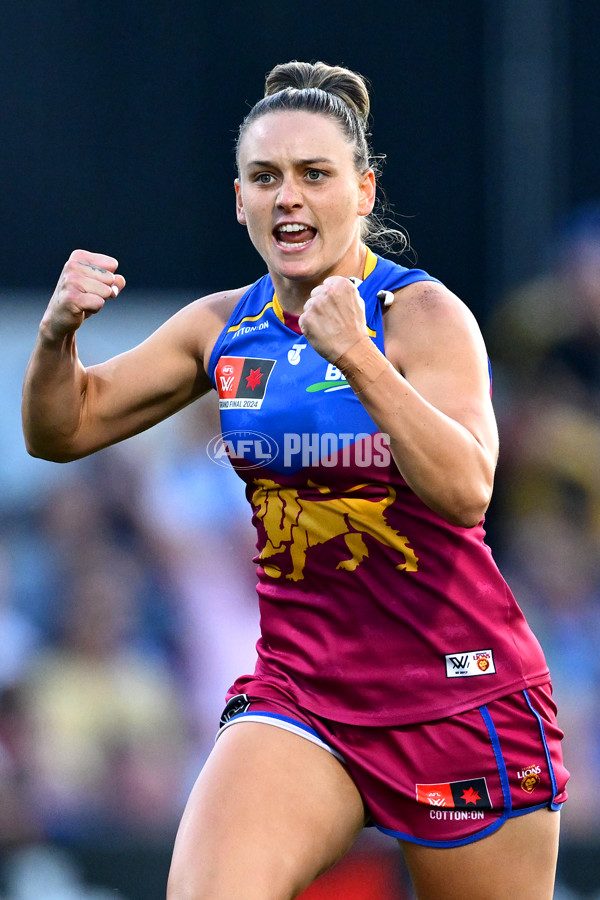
x=469, y=794
x=242, y=382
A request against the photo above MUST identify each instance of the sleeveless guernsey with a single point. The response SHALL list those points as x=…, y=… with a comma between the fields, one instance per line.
x=373, y=609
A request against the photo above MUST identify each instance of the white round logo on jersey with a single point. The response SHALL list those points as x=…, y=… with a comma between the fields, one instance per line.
x=256, y=449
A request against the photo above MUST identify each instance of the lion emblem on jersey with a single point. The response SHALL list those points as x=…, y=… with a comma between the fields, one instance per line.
x=296, y=523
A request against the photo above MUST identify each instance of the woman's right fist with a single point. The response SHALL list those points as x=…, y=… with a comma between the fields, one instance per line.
x=85, y=284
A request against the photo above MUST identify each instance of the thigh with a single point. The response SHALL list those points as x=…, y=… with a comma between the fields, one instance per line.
x=269, y=812
x=517, y=861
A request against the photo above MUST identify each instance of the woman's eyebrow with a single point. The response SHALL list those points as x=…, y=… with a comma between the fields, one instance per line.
x=318, y=160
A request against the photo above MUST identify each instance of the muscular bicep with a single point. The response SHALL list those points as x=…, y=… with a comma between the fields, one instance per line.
x=133, y=391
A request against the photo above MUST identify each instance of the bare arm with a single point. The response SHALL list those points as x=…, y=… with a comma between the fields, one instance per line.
x=431, y=395
x=70, y=411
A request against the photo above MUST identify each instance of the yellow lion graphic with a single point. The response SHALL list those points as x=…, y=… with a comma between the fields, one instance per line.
x=297, y=523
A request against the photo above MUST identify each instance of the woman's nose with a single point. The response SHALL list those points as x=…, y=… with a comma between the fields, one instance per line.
x=289, y=194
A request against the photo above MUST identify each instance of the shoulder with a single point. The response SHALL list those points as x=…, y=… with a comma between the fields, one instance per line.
x=429, y=304
x=195, y=328
x=426, y=297
x=427, y=317
x=211, y=311
x=218, y=306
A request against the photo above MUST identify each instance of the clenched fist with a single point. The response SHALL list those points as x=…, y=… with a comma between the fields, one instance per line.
x=333, y=318
x=85, y=284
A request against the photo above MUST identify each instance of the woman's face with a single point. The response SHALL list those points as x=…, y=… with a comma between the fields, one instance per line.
x=300, y=196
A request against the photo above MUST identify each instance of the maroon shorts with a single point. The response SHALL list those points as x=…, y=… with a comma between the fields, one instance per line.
x=442, y=783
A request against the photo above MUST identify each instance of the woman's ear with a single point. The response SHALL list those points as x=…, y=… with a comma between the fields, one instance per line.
x=366, y=199
x=239, y=205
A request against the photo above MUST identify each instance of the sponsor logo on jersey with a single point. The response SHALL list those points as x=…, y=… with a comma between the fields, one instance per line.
x=471, y=793
x=468, y=663
x=529, y=777
x=294, y=354
x=334, y=381
x=242, y=381
x=240, y=328
x=248, y=329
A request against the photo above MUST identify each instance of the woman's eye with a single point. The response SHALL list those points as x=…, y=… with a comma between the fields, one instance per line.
x=314, y=175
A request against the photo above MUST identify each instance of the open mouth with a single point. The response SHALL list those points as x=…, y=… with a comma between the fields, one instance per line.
x=294, y=234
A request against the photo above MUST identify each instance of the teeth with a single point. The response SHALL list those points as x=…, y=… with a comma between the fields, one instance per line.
x=295, y=245
x=292, y=227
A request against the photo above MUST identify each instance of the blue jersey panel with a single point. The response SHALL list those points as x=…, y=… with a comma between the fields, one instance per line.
x=283, y=406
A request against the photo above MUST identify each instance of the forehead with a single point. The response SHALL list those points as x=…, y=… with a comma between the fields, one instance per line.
x=294, y=135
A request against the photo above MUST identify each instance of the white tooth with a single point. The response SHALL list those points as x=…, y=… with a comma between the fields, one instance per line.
x=297, y=244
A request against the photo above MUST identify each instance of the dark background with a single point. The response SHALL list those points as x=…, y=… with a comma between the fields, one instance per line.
x=117, y=125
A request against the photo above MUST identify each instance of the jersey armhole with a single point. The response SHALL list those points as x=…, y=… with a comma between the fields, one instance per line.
x=216, y=350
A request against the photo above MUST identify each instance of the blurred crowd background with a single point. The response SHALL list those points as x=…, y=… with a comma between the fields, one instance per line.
x=127, y=601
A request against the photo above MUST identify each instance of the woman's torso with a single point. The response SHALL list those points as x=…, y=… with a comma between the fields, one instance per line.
x=373, y=608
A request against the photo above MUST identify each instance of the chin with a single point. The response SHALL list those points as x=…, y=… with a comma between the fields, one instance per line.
x=299, y=273
x=297, y=266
